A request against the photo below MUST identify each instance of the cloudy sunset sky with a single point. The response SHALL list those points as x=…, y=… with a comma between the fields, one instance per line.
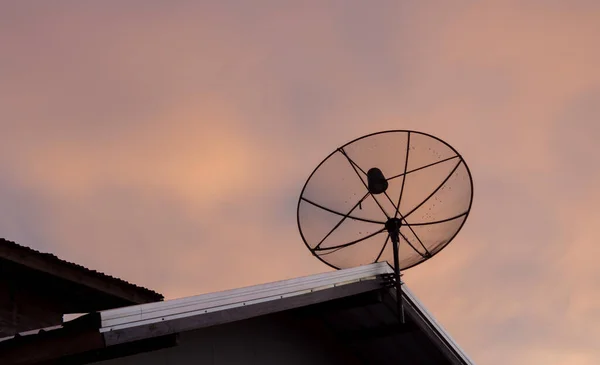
x=133, y=132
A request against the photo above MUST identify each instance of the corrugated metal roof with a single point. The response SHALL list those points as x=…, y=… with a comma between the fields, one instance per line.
x=57, y=261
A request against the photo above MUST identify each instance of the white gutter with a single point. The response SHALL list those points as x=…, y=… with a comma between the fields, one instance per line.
x=144, y=314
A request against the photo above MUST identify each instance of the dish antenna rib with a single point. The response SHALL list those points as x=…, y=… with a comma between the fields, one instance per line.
x=405, y=187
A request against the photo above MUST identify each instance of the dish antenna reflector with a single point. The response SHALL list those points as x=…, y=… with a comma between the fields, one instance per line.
x=398, y=196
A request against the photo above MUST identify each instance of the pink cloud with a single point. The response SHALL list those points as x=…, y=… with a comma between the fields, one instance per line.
x=132, y=137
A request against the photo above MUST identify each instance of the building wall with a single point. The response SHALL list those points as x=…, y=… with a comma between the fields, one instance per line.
x=31, y=299
x=23, y=308
x=274, y=339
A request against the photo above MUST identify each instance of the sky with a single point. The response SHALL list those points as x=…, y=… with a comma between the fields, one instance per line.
x=167, y=142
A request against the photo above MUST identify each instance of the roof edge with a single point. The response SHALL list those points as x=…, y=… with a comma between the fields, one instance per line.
x=156, y=319
x=131, y=316
x=52, y=265
x=436, y=327
x=129, y=325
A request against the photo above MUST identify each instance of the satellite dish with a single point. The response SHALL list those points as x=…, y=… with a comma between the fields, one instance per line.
x=398, y=196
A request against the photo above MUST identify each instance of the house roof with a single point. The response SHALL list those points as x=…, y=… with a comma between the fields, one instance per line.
x=52, y=265
x=358, y=304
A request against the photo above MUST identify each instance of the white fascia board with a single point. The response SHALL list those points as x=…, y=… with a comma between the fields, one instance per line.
x=132, y=316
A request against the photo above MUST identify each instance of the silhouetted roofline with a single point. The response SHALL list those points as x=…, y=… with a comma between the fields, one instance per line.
x=52, y=265
x=139, y=328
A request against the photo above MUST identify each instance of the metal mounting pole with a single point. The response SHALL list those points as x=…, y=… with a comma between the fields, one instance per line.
x=393, y=227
